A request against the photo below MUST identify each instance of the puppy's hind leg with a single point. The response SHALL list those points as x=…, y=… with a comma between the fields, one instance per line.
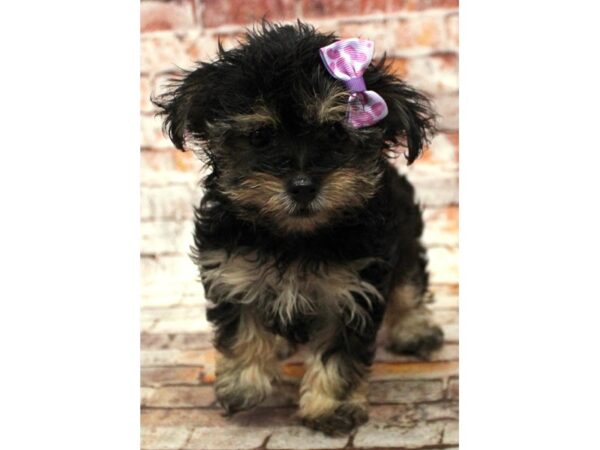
x=411, y=329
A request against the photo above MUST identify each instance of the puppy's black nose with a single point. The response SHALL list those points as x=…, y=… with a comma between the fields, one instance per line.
x=302, y=188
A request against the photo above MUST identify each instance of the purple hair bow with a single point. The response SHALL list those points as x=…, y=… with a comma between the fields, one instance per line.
x=347, y=60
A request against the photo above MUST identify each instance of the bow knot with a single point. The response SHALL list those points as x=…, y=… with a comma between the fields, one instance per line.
x=347, y=60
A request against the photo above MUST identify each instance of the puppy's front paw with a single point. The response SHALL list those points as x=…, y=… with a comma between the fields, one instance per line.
x=341, y=421
x=237, y=391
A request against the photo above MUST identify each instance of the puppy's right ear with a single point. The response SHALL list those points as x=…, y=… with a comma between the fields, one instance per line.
x=184, y=103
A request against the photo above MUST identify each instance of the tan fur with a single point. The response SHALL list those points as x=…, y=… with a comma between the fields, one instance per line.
x=243, y=278
x=249, y=368
x=407, y=318
x=331, y=107
x=264, y=191
x=340, y=190
x=411, y=325
x=260, y=116
x=345, y=188
x=284, y=348
x=323, y=389
x=402, y=299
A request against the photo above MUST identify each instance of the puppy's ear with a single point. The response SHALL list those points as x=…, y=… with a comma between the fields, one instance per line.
x=184, y=105
x=411, y=120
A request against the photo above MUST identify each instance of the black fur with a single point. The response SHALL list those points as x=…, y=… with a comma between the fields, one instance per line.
x=280, y=66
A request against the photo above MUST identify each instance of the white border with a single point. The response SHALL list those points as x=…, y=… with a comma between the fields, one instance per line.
x=69, y=239
x=529, y=225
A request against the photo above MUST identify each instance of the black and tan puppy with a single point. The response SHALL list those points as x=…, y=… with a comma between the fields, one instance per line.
x=306, y=233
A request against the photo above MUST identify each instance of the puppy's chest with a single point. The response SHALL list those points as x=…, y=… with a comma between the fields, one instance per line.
x=285, y=294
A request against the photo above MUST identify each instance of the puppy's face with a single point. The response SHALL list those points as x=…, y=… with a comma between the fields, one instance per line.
x=291, y=160
x=271, y=122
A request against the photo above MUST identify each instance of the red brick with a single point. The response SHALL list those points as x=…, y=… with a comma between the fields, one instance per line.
x=177, y=357
x=161, y=83
x=330, y=8
x=337, y=8
x=453, y=389
x=403, y=415
x=193, y=341
x=372, y=6
x=146, y=105
x=266, y=417
x=301, y=438
x=202, y=49
x=446, y=106
x=451, y=22
x=451, y=432
x=443, y=266
x=185, y=161
x=374, y=30
x=167, y=376
x=175, y=320
x=451, y=332
x=406, y=391
x=160, y=16
x=436, y=184
x=446, y=316
x=443, y=149
x=221, y=12
x=152, y=135
x=382, y=435
x=227, y=438
x=167, y=203
x=433, y=74
x=230, y=40
x=154, y=340
x=158, y=170
x=257, y=417
x=409, y=415
x=183, y=417
x=398, y=66
x=439, y=410
x=166, y=51
x=441, y=227
x=420, y=5
x=449, y=352
x=444, y=300
x=167, y=269
x=180, y=396
x=419, y=34
x=390, y=371
x=162, y=168
x=165, y=237
x=454, y=137
x=451, y=289
x=163, y=438
x=145, y=394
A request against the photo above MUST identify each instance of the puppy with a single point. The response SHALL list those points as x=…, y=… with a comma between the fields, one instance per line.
x=306, y=234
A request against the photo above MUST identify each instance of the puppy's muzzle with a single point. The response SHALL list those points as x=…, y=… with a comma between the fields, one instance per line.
x=302, y=189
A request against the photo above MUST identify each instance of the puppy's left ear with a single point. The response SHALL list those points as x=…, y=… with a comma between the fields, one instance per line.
x=411, y=120
x=185, y=103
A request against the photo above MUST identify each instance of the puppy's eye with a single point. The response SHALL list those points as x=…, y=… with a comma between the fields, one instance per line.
x=336, y=131
x=261, y=137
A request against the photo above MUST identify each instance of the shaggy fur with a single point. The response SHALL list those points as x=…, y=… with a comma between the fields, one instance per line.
x=306, y=233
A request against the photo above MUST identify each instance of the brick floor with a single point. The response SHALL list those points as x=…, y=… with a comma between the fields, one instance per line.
x=413, y=403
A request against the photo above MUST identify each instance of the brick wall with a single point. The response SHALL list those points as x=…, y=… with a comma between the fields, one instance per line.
x=421, y=36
